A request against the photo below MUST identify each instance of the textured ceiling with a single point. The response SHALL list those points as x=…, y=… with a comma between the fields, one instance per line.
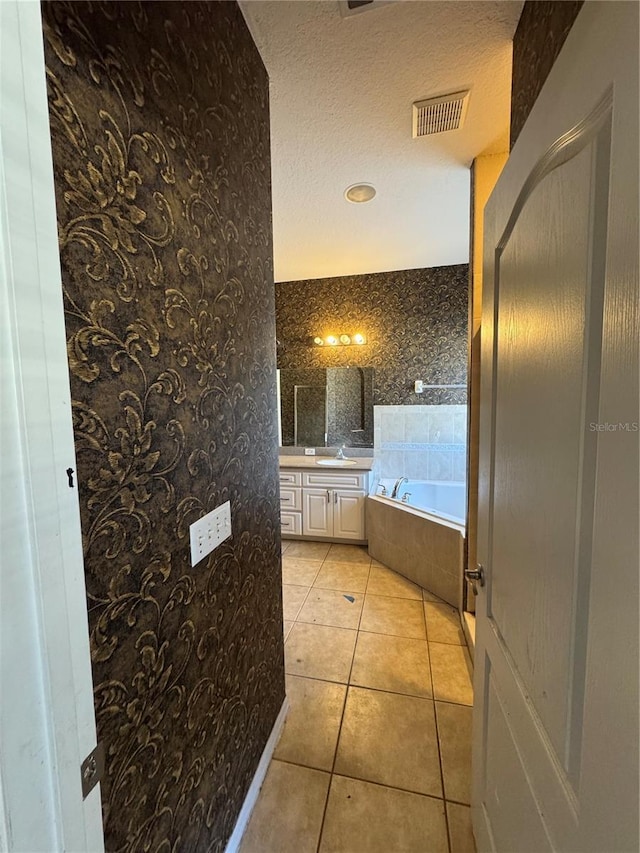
x=341, y=95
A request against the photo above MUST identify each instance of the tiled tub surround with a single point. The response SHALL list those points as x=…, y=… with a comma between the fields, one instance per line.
x=420, y=442
x=425, y=549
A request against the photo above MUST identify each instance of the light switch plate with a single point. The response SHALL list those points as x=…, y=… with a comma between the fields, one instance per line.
x=209, y=531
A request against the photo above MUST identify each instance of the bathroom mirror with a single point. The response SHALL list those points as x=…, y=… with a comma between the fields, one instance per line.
x=326, y=407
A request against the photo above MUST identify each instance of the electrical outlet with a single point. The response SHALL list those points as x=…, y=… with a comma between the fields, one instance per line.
x=309, y=451
x=209, y=531
x=418, y=386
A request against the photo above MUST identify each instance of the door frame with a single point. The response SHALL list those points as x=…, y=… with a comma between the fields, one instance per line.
x=47, y=721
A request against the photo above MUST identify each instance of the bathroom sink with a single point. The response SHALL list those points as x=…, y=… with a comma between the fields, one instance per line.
x=335, y=463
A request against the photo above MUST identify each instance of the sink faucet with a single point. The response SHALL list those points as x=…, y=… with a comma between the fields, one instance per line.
x=398, y=483
x=340, y=453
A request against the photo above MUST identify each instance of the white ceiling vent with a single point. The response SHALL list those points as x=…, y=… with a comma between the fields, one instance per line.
x=437, y=115
x=354, y=7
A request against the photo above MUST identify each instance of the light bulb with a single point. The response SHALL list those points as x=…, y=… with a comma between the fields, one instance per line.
x=318, y=341
x=345, y=339
x=358, y=339
x=332, y=340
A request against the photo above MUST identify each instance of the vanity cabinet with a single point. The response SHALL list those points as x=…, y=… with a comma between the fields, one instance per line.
x=324, y=504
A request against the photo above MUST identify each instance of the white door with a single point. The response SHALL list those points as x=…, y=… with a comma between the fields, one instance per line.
x=47, y=724
x=348, y=514
x=556, y=680
x=317, y=514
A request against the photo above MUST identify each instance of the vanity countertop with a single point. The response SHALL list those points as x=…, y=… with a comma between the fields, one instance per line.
x=363, y=463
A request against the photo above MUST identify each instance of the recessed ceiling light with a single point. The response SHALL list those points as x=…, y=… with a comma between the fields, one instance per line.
x=359, y=193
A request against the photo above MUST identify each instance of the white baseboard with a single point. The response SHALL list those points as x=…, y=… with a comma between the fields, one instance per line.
x=233, y=844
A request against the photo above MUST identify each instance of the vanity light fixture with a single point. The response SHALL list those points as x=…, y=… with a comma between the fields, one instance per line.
x=343, y=340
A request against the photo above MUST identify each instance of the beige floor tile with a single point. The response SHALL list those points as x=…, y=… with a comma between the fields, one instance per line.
x=308, y=550
x=451, y=673
x=284, y=546
x=349, y=554
x=443, y=624
x=287, y=625
x=288, y=814
x=292, y=600
x=390, y=739
x=317, y=651
x=460, y=831
x=351, y=576
x=384, y=581
x=298, y=571
x=396, y=616
x=329, y=607
x=454, y=734
x=366, y=818
x=311, y=731
x=396, y=664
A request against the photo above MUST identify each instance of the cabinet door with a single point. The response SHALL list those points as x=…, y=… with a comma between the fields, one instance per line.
x=317, y=512
x=348, y=514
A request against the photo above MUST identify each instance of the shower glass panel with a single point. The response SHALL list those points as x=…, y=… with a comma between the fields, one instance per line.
x=349, y=406
x=310, y=415
x=326, y=407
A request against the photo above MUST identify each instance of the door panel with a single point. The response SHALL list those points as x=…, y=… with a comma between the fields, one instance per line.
x=556, y=717
x=317, y=514
x=540, y=352
x=349, y=515
x=509, y=801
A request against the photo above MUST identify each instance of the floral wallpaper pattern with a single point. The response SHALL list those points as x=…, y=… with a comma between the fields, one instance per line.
x=543, y=27
x=415, y=322
x=160, y=129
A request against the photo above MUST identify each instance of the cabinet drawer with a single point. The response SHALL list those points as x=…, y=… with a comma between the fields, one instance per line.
x=290, y=478
x=336, y=479
x=290, y=497
x=291, y=522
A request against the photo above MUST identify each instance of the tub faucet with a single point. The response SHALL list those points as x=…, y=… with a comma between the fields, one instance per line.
x=398, y=483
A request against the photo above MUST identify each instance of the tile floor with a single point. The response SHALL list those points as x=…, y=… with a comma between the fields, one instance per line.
x=375, y=753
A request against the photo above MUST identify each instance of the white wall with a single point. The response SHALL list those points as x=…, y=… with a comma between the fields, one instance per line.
x=47, y=723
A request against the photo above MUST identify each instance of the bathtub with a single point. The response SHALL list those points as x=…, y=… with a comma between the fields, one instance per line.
x=422, y=539
x=447, y=500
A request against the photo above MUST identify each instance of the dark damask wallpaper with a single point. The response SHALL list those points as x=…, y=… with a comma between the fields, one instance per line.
x=543, y=27
x=160, y=127
x=415, y=322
